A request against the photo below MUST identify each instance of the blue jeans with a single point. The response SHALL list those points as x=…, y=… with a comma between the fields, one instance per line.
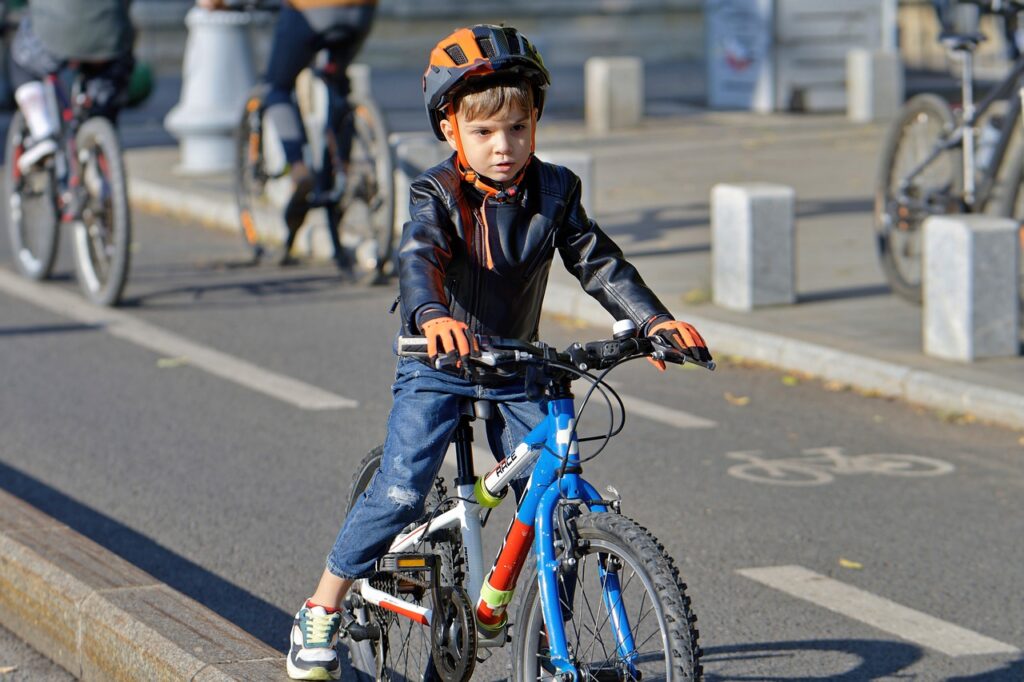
x=420, y=427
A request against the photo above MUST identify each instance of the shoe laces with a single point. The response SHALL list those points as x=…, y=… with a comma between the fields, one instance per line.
x=318, y=627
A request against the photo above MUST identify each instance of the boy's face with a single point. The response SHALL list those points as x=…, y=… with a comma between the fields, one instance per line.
x=496, y=147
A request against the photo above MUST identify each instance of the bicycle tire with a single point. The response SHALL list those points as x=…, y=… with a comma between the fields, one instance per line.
x=409, y=642
x=676, y=654
x=102, y=231
x=917, y=128
x=251, y=177
x=33, y=221
x=368, y=204
x=1012, y=206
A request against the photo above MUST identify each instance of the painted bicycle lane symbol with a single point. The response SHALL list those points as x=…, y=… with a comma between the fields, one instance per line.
x=819, y=466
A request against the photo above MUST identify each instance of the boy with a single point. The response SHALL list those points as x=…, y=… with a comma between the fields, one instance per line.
x=474, y=259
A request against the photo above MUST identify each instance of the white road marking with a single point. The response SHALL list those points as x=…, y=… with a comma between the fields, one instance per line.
x=124, y=326
x=637, y=407
x=877, y=612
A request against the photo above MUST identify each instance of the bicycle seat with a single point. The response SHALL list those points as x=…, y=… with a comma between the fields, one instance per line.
x=961, y=42
x=476, y=409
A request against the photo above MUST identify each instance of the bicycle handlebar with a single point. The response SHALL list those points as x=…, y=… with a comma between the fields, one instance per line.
x=497, y=353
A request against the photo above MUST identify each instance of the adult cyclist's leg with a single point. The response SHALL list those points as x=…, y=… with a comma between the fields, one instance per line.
x=293, y=47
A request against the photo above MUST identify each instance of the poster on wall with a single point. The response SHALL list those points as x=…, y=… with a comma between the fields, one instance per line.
x=738, y=36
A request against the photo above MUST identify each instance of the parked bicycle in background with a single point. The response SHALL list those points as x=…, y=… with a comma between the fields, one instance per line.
x=937, y=160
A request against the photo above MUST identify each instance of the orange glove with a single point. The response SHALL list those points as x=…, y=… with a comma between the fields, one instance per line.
x=454, y=337
x=683, y=337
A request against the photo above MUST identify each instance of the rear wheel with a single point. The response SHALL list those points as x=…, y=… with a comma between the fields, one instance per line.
x=31, y=202
x=102, y=230
x=408, y=643
x=1013, y=207
x=621, y=575
x=903, y=202
x=368, y=203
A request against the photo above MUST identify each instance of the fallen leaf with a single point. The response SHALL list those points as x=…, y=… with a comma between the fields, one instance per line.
x=697, y=295
x=1021, y=440
x=165, y=363
x=846, y=563
x=835, y=386
x=737, y=400
x=790, y=380
x=4, y=669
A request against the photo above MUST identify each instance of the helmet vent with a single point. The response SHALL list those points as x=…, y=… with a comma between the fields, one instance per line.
x=513, y=41
x=457, y=55
x=487, y=47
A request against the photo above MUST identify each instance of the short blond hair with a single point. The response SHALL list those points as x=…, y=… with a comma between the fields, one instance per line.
x=487, y=99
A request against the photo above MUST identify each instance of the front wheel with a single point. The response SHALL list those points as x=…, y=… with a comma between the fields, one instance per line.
x=369, y=200
x=627, y=613
x=917, y=177
x=102, y=227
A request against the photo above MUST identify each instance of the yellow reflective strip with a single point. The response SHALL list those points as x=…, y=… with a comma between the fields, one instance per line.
x=495, y=598
x=483, y=497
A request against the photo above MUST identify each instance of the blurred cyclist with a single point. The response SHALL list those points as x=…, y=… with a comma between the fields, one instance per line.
x=96, y=34
x=304, y=27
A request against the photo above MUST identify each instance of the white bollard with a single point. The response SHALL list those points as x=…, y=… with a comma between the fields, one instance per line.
x=752, y=245
x=217, y=76
x=874, y=85
x=413, y=153
x=614, y=93
x=579, y=162
x=971, y=307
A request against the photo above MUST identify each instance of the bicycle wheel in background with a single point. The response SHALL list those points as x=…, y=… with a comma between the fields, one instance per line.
x=250, y=175
x=408, y=643
x=616, y=556
x=935, y=190
x=369, y=199
x=102, y=229
x=31, y=203
x=1013, y=207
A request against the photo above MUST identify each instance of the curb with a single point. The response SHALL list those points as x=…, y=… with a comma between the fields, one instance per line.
x=864, y=373
x=861, y=372
x=101, y=618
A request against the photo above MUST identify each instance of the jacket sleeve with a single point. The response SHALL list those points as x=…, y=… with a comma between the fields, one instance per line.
x=424, y=252
x=602, y=269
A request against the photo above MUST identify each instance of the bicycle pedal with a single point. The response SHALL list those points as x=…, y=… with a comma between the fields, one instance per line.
x=406, y=563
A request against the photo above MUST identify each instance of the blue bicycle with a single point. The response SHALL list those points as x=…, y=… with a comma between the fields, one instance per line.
x=603, y=601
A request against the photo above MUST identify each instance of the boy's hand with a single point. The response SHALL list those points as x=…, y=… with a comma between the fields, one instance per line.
x=454, y=337
x=683, y=337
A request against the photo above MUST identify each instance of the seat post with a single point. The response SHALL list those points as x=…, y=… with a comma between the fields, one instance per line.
x=967, y=93
x=463, y=439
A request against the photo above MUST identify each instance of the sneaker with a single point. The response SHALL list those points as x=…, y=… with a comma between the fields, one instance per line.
x=313, y=654
x=36, y=153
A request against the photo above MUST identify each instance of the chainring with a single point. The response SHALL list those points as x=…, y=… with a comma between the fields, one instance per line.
x=453, y=638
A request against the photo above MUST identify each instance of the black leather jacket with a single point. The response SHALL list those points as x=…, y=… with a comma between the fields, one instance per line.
x=493, y=277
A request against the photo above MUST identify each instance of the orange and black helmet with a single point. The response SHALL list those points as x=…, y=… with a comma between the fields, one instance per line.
x=475, y=52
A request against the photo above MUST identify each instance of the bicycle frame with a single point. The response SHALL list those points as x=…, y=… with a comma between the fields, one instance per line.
x=963, y=134
x=556, y=480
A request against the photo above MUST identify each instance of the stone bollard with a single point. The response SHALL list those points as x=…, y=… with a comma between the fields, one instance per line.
x=413, y=153
x=752, y=245
x=874, y=85
x=614, y=93
x=216, y=78
x=579, y=162
x=971, y=307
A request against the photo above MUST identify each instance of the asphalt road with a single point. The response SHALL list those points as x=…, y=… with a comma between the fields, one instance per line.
x=233, y=496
